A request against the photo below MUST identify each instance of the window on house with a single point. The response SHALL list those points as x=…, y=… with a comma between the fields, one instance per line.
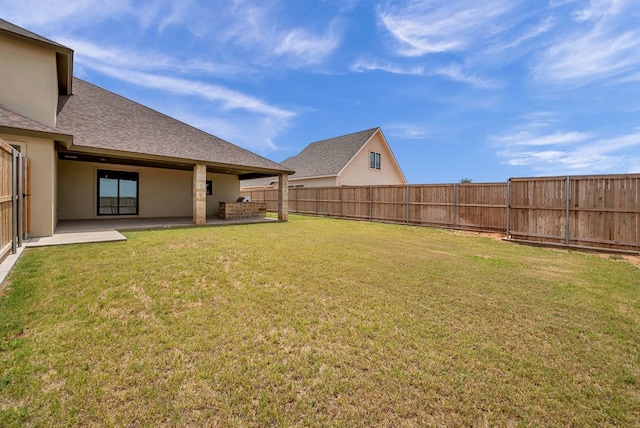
x=374, y=160
x=117, y=192
x=209, y=187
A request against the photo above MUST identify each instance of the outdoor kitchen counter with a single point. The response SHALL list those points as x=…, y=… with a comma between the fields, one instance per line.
x=232, y=210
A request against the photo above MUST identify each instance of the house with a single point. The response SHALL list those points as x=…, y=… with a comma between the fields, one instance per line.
x=92, y=154
x=361, y=158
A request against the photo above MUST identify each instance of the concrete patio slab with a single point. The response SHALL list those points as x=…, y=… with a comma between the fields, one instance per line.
x=77, y=237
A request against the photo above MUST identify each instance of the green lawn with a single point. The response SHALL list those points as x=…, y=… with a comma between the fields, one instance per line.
x=318, y=322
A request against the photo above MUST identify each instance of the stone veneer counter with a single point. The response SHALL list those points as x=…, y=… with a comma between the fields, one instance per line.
x=232, y=210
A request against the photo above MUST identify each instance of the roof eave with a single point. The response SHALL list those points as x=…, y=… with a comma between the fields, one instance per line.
x=260, y=171
x=68, y=139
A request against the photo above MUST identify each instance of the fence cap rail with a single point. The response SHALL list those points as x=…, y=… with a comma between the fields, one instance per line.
x=577, y=177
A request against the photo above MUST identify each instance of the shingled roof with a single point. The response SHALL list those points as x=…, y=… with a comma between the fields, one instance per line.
x=328, y=157
x=322, y=158
x=14, y=121
x=99, y=119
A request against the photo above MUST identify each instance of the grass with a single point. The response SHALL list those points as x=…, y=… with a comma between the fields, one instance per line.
x=318, y=322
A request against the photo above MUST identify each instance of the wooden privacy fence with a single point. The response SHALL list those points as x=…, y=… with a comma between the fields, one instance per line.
x=479, y=207
x=592, y=211
x=596, y=211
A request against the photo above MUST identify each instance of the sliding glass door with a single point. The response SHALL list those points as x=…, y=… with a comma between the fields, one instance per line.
x=117, y=192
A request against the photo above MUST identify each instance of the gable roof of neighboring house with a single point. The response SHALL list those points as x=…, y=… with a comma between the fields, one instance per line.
x=323, y=158
x=103, y=120
x=328, y=157
x=64, y=55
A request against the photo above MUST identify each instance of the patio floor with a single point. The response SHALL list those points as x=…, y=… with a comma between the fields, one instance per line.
x=84, y=231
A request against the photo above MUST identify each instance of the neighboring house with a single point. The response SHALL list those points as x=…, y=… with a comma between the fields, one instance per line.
x=93, y=154
x=361, y=158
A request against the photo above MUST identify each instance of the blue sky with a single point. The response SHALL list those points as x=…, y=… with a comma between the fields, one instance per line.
x=485, y=90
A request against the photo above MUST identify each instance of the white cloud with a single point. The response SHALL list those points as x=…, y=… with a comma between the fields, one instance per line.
x=364, y=65
x=569, y=152
x=557, y=138
x=452, y=72
x=605, y=45
x=303, y=47
x=259, y=137
x=441, y=26
x=87, y=53
x=226, y=98
x=84, y=13
x=408, y=131
x=596, y=9
x=243, y=31
x=544, y=26
x=456, y=73
x=539, y=119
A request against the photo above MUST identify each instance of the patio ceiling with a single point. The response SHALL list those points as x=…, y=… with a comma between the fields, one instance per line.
x=184, y=165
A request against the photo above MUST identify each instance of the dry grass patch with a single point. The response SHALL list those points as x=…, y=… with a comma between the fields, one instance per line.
x=318, y=322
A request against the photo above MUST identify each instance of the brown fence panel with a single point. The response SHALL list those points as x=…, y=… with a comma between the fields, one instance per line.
x=356, y=202
x=593, y=211
x=329, y=201
x=389, y=203
x=268, y=196
x=6, y=199
x=305, y=200
x=605, y=211
x=271, y=199
x=431, y=204
x=481, y=206
x=538, y=209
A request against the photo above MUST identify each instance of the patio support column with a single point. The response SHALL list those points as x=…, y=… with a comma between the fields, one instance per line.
x=283, y=197
x=200, y=194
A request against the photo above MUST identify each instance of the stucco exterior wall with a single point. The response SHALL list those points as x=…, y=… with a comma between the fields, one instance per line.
x=41, y=155
x=358, y=172
x=28, y=83
x=161, y=192
x=311, y=182
x=226, y=188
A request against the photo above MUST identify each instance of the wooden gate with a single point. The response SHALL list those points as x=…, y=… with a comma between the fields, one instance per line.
x=14, y=209
x=6, y=199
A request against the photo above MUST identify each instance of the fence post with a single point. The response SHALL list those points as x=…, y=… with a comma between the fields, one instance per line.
x=370, y=203
x=508, y=208
x=408, y=210
x=567, y=197
x=455, y=207
x=316, y=192
x=340, y=193
x=20, y=198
